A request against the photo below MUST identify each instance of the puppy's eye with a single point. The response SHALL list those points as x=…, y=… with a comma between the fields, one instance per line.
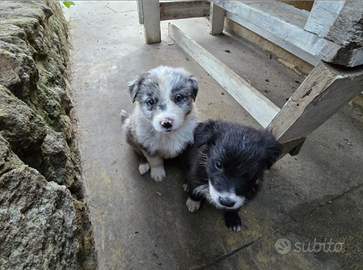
x=150, y=102
x=218, y=165
x=178, y=98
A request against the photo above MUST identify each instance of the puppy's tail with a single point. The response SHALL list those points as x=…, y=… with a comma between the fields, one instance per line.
x=124, y=116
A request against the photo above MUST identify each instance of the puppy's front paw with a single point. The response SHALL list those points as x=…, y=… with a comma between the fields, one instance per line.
x=233, y=221
x=157, y=173
x=144, y=168
x=185, y=186
x=192, y=205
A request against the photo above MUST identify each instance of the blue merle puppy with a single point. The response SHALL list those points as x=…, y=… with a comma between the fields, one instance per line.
x=162, y=123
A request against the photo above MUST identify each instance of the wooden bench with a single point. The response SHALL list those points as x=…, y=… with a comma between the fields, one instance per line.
x=328, y=37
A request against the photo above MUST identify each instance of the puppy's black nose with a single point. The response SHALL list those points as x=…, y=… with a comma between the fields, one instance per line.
x=167, y=123
x=226, y=202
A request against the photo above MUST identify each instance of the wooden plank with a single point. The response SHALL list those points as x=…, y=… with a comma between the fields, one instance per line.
x=183, y=9
x=282, y=26
x=260, y=107
x=217, y=15
x=326, y=89
x=322, y=16
x=348, y=26
x=299, y=52
x=151, y=19
x=339, y=22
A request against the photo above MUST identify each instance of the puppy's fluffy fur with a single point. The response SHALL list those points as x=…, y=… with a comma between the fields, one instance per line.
x=162, y=123
x=225, y=164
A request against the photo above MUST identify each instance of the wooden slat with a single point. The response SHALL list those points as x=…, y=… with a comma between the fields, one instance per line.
x=292, y=48
x=322, y=16
x=260, y=107
x=326, y=89
x=283, y=25
x=183, y=9
x=340, y=22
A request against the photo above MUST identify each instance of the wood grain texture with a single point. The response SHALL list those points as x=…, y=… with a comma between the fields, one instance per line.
x=331, y=32
x=322, y=93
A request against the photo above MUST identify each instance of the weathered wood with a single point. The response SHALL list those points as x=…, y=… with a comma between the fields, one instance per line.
x=342, y=23
x=260, y=107
x=216, y=19
x=284, y=25
x=338, y=21
x=322, y=93
x=302, y=53
x=151, y=19
x=322, y=16
x=183, y=9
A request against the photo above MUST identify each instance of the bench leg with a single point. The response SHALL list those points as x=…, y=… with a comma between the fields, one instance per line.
x=326, y=89
x=216, y=19
x=149, y=15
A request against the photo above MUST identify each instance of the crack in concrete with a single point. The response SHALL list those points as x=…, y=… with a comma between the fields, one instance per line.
x=229, y=254
x=111, y=8
x=278, y=229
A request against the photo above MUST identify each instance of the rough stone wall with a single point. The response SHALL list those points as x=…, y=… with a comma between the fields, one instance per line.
x=44, y=223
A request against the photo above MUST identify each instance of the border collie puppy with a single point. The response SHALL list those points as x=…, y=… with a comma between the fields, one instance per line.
x=225, y=164
x=162, y=123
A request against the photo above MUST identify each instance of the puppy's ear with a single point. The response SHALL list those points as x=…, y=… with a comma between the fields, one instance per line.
x=204, y=133
x=194, y=84
x=273, y=151
x=134, y=86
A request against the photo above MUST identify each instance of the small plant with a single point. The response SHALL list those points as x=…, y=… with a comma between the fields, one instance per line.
x=68, y=3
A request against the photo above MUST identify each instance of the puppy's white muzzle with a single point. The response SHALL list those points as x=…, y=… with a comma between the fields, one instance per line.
x=166, y=122
x=225, y=200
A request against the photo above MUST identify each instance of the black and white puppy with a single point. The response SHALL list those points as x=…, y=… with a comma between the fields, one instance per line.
x=224, y=165
x=162, y=123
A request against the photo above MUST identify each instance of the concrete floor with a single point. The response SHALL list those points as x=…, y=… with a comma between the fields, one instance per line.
x=313, y=200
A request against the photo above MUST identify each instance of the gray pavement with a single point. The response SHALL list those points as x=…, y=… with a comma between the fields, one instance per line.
x=313, y=200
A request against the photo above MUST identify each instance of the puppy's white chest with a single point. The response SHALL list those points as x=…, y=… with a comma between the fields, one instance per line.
x=168, y=145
